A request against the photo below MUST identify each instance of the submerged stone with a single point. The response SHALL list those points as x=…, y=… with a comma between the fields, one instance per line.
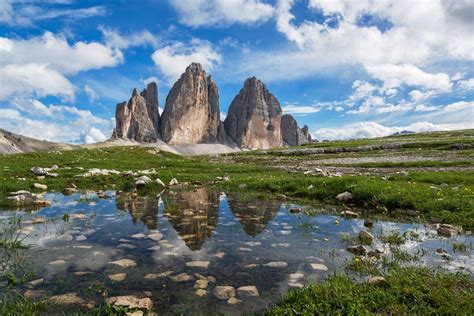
x=276, y=264
x=249, y=290
x=117, y=277
x=319, y=266
x=224, y=292
x=130, y=302
x=124, y=263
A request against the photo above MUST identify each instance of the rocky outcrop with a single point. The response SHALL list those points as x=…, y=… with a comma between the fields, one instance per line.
x=291, y=133
x=254, y=117
x=138, y=119
x=191, y=112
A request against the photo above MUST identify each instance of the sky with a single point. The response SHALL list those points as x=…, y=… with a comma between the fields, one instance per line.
x=347, y=69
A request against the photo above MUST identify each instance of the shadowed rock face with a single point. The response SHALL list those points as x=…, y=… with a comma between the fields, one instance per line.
x=254, y=117
x=191, y=113
x=138, y=119
x=291, y=133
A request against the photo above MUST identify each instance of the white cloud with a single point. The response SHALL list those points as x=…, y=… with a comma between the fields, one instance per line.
x=39, y=65
x=172, y=60
x=23, y=14
x=94, y=135
x=223, y=115
x=123, y=41
x=394, y=76
x=425, y=108
x=58, y=123
x=373, y=129
x=298, y=109
x=466, y=84
x=221, y=12
x=91, y=93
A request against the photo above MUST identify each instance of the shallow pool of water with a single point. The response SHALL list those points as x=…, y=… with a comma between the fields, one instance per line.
x=234, y=241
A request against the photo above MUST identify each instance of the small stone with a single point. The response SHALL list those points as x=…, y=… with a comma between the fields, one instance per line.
x=224, y=292
x=295, y=210
x=148, y=293
x=117, y=277
x=139, y=236
x=130, y=302
x=77, y=216
x=250, y=266
x=369, y=223
x=198, y=264
x=377, y=280
x=158, y=181
x=358, y=250
x=200, y=292
x=296, y=285
x=220, y=255
x=57, y=263
x=35, y=294
x=35, y=282
x=81, y=238
x=173, y=182
x=349, y=214
x=155, y=236
x=183, y=277
x=233, y=301
x=276, y=264
x=412, y=213
x=344, y=197
x=319, y=266
x=124, y=263
x=82, y=273
x=366, y=237
x=38, y=171
x=40, y=186
x=69, y=191
x=201, y=284
x=249, y=290
x=70, y=299
x=448, y=230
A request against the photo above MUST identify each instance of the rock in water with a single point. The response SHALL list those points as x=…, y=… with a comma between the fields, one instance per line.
x=291, y=133
x=191, y=112
x=254, y=117
x=138, y=119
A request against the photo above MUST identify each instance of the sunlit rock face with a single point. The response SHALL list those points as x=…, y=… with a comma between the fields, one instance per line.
x=138, y=119
x=255, y=216
x=291, y=133
x=194, y=215
x=254, y=117
x=144, y=209
x=191, y=112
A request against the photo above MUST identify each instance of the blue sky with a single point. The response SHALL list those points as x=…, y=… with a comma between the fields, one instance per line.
x=345, y=68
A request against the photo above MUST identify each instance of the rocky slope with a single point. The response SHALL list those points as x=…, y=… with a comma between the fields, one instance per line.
x=291, y=133
x=11, y=143
x=138, y=119
x=191, y=112
x=254, y=117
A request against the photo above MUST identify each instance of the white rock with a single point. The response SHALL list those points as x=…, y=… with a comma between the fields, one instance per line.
x=198, y=264
x=173, y=182
x=124, y=263
x=319, y=266
x=276, y=264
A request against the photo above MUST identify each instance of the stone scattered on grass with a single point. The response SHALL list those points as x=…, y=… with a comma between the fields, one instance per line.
x=349, y=214
x=224, y=292
x=412, y=213
x=158, y=181
x=377, y=280
x=130, y=302
x=344, y=197
x=40, y=186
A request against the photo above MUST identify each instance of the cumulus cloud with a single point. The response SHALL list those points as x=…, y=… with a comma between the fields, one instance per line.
x=173, y=59
x=91, y=93
x=466, y=84
x=39, y=65
x=221, y=12
x=22, y=14
x=94, y=135
x=115, y=39
x=373, y=129
x=58, y=123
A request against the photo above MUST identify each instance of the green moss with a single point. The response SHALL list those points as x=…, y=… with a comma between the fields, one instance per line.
x=414, y=291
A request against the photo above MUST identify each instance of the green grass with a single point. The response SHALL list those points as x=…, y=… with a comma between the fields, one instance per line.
x=413, y=291
x=452, y=201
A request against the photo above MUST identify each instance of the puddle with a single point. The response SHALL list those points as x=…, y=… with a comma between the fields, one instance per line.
x=162, y=246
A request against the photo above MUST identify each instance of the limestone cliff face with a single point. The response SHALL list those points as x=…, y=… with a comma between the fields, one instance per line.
x=254, y=117
x=138, y=119
x=191, y=112
x=291, y=133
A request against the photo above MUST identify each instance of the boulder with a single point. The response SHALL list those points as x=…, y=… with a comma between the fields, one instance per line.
x=291, y=133
x=138, y=119
x=224, y=292
x=191, y=113
x=254, y=117
x=130, y=302
x=344, y=197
